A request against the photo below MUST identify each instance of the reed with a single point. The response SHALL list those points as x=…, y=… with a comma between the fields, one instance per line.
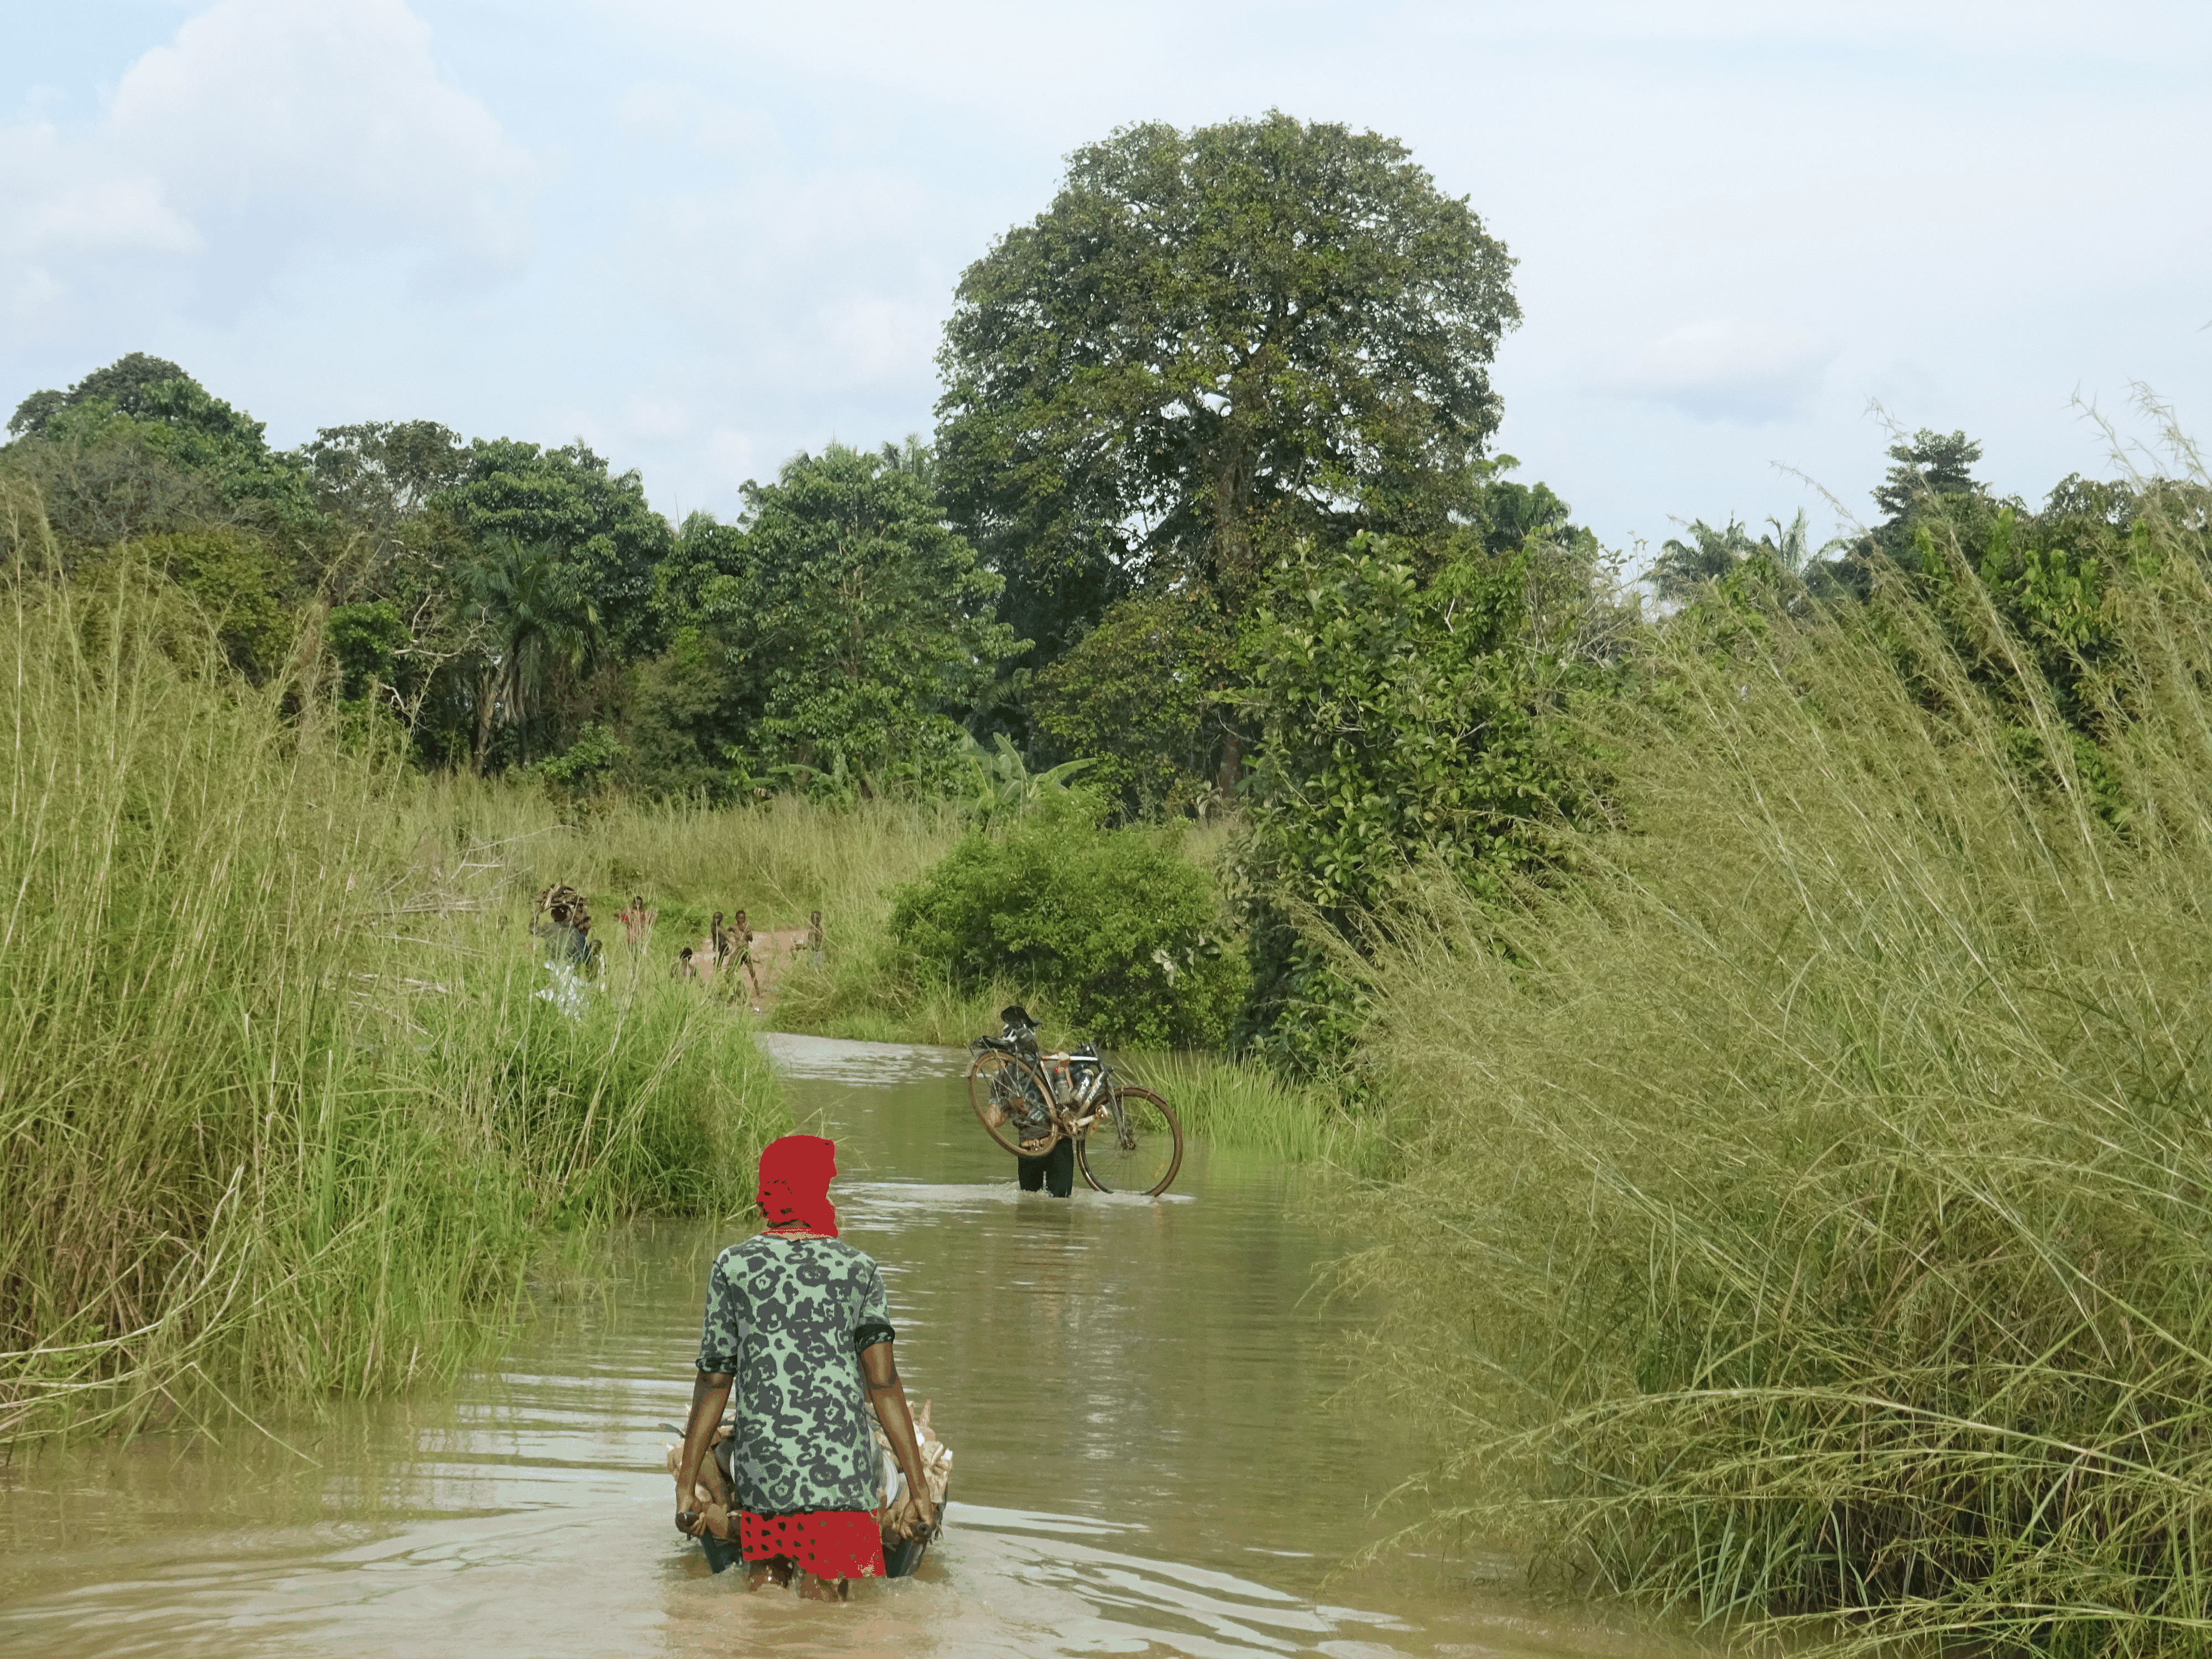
x=1227, y=1102
x=1802, y=1221
x=280, y=1111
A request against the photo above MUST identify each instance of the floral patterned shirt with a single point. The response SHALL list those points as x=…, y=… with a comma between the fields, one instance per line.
x=788, y=1319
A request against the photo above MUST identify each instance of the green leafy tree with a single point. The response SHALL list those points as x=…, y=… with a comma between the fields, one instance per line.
x=1930, y=481
x=1140, y=695
x=379, y=474
x=377, y=483
x=1404, y=720
x=366, y=639
x=680, y=722
x=123, y=384
x=141, y=448
x=1703, y=555
x=1511, y=513
x=537, y=628
x=1211, y=342
x=1928, y=463
x=859, y=626
x=606, y=540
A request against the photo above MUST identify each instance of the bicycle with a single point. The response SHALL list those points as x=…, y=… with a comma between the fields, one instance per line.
x=1127, y=1139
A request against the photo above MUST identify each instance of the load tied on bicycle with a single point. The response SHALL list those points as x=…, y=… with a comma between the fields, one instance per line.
x=1126, y=1139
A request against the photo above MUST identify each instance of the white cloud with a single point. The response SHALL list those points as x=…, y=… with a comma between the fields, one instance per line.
x=266, y=134
x=1728, y=369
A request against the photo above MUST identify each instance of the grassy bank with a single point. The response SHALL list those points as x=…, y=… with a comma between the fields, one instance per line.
x=780, y=861
x=280, y=1112
x=784, y=858
x=1228, y=1104
x=1808, y=1213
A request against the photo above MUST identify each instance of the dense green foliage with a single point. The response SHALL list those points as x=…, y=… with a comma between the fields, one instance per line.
x=498, y=604
x=1212, y=343
x=858, y=626
x=1138, y=696
x=1405, y=715
x=1123, y=934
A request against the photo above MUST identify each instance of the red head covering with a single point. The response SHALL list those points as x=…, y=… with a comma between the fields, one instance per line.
x=794, y=1183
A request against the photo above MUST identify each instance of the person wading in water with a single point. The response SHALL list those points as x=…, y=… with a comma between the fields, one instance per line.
x=796, y=1323
x=1052, y=1171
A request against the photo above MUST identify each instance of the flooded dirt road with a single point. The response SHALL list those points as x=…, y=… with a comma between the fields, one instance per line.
x=1137, y=1392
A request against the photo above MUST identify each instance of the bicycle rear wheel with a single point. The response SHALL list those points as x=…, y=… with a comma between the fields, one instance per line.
x=1140, y=1157
x=1012, y=1102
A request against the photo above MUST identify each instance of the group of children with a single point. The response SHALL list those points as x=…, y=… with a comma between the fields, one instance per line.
x=727, y=949
x=564, y=923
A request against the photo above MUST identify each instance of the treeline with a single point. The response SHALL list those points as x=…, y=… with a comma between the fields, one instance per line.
x=1211, y=507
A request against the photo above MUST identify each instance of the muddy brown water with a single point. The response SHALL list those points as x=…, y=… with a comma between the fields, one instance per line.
x=1140, y=1396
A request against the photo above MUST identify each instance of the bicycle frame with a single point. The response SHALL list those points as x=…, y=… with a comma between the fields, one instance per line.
x=1095, y=1102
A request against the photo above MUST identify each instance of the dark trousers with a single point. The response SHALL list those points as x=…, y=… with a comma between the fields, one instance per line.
x=1054, y=1171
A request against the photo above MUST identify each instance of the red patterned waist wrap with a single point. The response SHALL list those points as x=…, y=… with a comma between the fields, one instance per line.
x=828, y=1543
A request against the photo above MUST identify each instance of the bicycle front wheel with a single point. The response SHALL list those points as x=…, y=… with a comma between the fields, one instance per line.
x=1011, y=1102
x=1139, y=1156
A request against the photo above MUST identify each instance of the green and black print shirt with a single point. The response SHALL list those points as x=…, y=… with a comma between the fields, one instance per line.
x=788, y=1319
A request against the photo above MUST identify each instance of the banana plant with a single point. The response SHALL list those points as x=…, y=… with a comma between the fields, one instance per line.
x=1001, y=786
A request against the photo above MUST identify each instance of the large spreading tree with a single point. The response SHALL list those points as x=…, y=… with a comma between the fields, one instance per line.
x=1211, y=344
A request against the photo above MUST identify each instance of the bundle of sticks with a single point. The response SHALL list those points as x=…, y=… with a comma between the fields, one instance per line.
x=566, y=899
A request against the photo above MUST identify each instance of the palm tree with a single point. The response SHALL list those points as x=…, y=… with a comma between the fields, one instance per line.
x=538, y=627
x=1683, y=567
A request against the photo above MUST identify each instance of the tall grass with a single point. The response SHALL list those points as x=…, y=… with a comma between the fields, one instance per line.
x=280, y=1111
x=780, y=861
x=1227, y=1102
x=1803, y=1223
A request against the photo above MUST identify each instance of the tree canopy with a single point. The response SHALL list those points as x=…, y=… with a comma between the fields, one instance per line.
x=1261, y=325
x=606, y=539
x=858, y=626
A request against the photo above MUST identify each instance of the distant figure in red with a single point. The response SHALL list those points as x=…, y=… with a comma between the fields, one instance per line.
x=637, y=922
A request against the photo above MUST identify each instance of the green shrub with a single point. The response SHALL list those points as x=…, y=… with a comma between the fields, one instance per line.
x=1121, y=932
x=1406, y=691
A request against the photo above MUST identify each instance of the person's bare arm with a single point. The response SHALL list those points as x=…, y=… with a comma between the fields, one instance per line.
x=913, y=1514
x=710, y=1392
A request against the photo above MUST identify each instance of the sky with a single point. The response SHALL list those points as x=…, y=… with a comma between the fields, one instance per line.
x=703, y=235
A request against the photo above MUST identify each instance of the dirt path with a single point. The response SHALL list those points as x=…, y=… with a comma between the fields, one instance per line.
x=775, y=954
